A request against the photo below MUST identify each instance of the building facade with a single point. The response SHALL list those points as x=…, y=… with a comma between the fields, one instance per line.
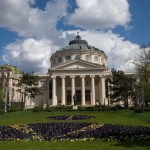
x=9, y=78
x=78, y=70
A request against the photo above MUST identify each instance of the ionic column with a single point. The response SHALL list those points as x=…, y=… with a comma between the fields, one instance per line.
x=54, y=99
x=63, y=93
x=83, y=90
x=102, y=87
x=92, y=90
x=72, y=88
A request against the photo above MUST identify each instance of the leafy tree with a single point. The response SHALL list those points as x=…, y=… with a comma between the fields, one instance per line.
x=28, y=86
x=121, y=87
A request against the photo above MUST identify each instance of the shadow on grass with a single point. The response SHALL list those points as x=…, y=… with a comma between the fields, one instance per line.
x=132, y=144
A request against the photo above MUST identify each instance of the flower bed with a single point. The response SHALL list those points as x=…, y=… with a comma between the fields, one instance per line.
x=73, y=117
x=73, y=131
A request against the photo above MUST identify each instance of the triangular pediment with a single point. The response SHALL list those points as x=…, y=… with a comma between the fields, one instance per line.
x=78, y=64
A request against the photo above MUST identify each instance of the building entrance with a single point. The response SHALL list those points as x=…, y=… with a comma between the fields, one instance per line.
x=78, y=96
x=87, y=97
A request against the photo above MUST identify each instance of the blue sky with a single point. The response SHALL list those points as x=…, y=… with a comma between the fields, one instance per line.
x=31, y=30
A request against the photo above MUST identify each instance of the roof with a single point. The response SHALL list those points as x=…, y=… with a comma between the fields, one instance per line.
x=12, y=68
x=79, y=44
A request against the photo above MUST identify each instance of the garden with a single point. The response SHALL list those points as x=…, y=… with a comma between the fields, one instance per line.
x=119, y=129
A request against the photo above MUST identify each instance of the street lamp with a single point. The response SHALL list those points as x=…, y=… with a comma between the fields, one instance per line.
x=5, y=99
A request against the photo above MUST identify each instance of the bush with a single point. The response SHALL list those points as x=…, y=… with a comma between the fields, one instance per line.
x=2, y=111
x=37, y=109
x=13, y=109
x=81, y=108
x=132, y=108
x=147, y=109
x=138, y=110
x=117, y=107
x=48, y=109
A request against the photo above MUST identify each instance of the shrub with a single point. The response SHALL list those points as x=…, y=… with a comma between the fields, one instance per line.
x=2, y=111
x=13, y=109
x=147, y=109
x=81, y=108
x=116, y=107
x=138, y=110
x=48, y=109
x=132, y=108
x=37, y=109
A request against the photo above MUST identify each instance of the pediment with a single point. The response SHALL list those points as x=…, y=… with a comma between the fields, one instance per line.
x=78, y=64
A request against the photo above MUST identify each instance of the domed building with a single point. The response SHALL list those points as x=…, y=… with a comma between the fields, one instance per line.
x=78, y=72
x=78, y=76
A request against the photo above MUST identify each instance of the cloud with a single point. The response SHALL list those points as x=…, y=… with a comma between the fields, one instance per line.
x=120, y=52
x=40, y=37
x=30, y=54
x=21, y=17
x=98, y=14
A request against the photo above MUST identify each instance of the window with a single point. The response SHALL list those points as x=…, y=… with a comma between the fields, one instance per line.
x=53, y=62
x=77, y=57
x=87, y=57
x=68, y=58
x=59, y=60
x=96, y=58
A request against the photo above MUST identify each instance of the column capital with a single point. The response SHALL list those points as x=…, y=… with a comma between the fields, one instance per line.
x=63, y=77
x=53, y=77
x=92, y=76
x=82, y=76
x=102, y=76
x=72, y=76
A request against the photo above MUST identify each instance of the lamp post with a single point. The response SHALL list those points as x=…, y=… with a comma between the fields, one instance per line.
x=6, y=92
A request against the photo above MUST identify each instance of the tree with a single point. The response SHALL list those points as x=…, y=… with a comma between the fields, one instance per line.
x=28, y=86
x=121, y=87
x=143, y=75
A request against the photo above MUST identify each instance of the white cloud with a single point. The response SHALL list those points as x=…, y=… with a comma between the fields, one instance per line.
x=38, y=28
x=21, y=17
x=120, y=52
x=97, y=14
x=30, y=54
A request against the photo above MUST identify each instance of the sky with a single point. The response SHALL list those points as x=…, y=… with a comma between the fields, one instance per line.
x=32, y=30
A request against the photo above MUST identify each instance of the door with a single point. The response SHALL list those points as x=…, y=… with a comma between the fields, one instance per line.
x=78, y=94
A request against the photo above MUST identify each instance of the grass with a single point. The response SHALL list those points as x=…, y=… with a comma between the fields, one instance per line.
x=77, y=145
x=122, y=117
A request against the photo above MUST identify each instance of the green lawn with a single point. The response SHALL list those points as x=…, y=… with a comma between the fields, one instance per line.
x=122, y=117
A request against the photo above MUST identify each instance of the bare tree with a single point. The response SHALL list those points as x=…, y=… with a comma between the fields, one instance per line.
x=143, y=74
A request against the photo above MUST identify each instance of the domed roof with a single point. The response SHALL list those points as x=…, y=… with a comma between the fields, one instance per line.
x=79, y=44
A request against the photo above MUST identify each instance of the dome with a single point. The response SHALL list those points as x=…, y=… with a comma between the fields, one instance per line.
x=79, y=44
x=78, y=49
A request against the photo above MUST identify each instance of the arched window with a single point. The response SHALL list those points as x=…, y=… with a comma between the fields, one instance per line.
x=87, y=57
x=59, y=60
x=68, y=58
x=96, y=58
x=77, y=57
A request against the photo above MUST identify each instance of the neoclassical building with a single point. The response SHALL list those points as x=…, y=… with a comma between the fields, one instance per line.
x=80, y=69
x=77, y=69
x=9, y=77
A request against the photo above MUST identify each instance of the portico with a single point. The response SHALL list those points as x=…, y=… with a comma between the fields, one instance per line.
x=88, y=89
